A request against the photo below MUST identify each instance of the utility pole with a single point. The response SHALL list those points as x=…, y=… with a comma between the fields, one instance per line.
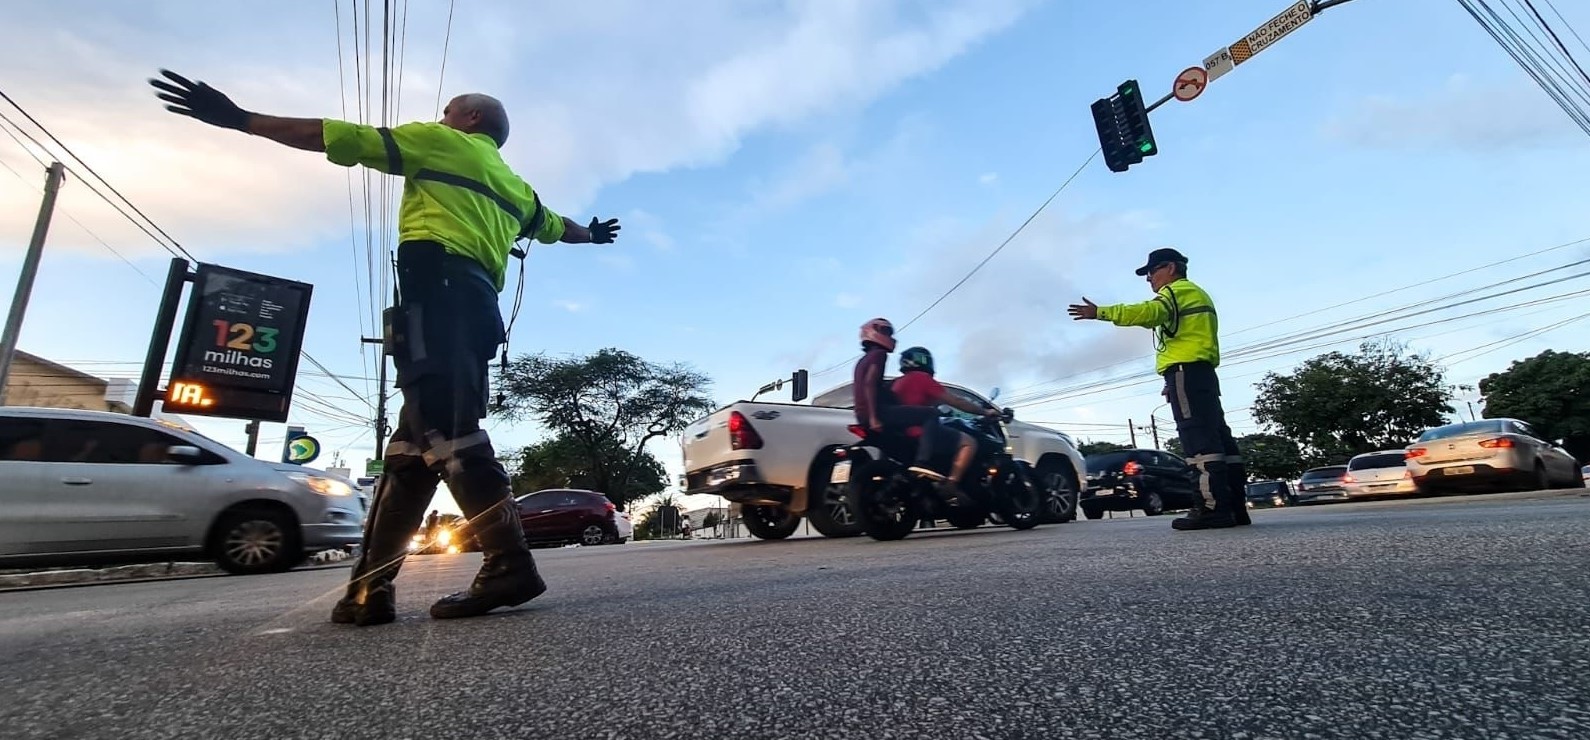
x=1132, y=429
x=30, y=270
x=1153, y=424
x=380, y=397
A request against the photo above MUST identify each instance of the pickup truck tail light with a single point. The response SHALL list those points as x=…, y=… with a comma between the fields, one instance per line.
x=742, y=436
x=1500, y=443
x=858, y=430
x=1132, y=468
x=1416, y=452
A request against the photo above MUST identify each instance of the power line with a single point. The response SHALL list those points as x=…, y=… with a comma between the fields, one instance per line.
x=986, y=259
x=1554, y=37
x=97, y=176
x=447, y=39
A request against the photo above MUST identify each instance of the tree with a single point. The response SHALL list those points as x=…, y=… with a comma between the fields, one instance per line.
x=1550, y=391
x=1091, y=448
x=712, y=519
x=650, y=524
x=1338, y=405
x=562, y=462
x=1270, y=456
x=1173, y=446
x=608, y=405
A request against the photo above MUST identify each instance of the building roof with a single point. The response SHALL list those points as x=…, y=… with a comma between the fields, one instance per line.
x=58, y=367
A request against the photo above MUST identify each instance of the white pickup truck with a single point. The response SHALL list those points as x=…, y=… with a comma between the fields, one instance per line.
x=776, y=461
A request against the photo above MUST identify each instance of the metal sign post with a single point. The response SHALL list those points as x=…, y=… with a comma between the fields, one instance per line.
x=30, y=270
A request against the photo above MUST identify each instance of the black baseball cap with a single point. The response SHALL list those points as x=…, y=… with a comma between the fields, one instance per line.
x=1159, y=257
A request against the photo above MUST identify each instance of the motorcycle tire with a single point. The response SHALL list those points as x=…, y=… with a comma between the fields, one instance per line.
x=965, y=519
x=882, y=500
x=1020, y=501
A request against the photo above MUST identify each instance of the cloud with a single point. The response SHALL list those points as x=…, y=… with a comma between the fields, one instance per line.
x=847, y=300
x=1007, y=325
x=1462, y=114
x=593, y=101
x=648, y=228
x=820, y=169
x=570, y=306
x=988, y=178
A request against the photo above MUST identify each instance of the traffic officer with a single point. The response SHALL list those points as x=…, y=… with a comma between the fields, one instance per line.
x=462, y=210
x=1186, y=340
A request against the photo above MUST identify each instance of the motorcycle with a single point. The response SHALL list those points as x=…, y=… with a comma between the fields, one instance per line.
x=889, y=499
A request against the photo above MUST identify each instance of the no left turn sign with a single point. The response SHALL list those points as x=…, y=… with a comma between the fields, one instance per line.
x=1190, y=83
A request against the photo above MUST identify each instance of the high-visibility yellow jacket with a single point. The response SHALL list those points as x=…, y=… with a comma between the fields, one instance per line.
x=1186, y=328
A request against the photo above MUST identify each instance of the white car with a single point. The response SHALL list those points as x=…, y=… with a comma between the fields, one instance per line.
x=625, y=526
x=1493, y=453
x=93, y=486
x=776, y=462
x=1379, y=474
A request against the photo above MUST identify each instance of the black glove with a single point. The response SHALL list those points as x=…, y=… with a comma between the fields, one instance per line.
x=198, y=100
x=603, y=232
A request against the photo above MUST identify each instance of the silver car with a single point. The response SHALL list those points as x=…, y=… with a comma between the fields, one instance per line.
x=1491, y=453
x=1322, y=484
x=91, y=486
x=1379, y=474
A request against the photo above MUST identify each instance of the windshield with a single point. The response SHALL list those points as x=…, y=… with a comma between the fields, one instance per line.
x=1489, y=426
x=1106, y=462
x=1325, y=473
x=1381, y=460
x=1268, y=487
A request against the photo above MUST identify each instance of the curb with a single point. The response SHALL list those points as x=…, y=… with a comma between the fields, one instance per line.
x=143, y=572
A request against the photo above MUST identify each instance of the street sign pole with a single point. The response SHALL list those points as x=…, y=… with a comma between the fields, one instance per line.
x=160, y=339
x=30, y=270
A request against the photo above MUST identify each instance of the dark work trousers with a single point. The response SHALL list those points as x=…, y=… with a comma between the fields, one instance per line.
x=897, y=419
x=442, y=336
x=1193, y=391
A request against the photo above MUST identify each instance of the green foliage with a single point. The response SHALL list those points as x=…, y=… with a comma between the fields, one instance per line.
x=563, y=462
x=1099, y=448
x=712, y=519
x=1550, y=391
x=601, y=409
x=1271, y=456
x=1338, y=405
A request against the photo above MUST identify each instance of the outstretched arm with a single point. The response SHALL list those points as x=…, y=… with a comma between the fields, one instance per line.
x=201, y=102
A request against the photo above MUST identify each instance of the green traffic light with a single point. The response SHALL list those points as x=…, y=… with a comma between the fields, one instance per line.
x=1146, y=147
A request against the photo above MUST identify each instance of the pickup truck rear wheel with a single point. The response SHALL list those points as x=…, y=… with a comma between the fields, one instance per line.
x=770, y=522
x=828, y=507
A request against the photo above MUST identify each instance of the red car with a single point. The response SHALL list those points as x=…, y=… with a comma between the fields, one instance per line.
x=565, y=515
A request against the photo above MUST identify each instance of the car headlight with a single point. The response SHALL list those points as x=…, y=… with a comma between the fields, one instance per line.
x=322, y=485
x=444, y=536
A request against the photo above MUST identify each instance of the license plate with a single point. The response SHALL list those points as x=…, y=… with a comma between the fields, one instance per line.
x=1460, y=470
x=841, y=472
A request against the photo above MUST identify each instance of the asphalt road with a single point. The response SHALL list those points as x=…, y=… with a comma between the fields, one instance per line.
x=1450, y=618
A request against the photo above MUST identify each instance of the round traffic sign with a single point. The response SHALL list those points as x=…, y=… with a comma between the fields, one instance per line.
x=1190, y=83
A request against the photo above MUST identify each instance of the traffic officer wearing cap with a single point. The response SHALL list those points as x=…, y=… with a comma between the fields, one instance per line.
x=1187, y=344
x=461, y=212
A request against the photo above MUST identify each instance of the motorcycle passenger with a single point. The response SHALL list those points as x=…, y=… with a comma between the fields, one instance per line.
x=916, y=387
x=876, y=407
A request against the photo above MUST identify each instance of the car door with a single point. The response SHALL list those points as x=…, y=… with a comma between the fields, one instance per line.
x=1560, y=465
x=1179, y=480
x=112, y=486
x=23, y=495
x=548, y=515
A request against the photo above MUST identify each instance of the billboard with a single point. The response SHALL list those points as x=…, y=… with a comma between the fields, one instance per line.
x=241, y=339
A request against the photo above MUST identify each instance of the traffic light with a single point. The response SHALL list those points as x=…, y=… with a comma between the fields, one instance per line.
x=1122, y=122
x=801, y=381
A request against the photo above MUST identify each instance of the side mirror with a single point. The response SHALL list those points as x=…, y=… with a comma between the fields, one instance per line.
x=993, y=395
x=1008, y=413
x=185, y=454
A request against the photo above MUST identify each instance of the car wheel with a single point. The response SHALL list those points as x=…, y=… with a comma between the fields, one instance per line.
x=1542, y=479
x=1059, y=487
x=1093, y=512
x=1153, y=505
x=769, y=522
x=593, y=535
x=610, y=538
x=251, y=541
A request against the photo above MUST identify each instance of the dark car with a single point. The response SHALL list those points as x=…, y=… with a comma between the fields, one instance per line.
x=1268, y=493
x=566, y=515
x=1323, y=484
x=1153, y=481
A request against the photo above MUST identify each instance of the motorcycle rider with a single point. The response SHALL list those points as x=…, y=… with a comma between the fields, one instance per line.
x=916, y=387
x=876, y=408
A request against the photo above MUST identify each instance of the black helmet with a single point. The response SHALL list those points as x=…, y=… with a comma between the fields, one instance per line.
x=917, y=358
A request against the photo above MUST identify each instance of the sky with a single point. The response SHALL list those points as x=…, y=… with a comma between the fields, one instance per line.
x=786, y=170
